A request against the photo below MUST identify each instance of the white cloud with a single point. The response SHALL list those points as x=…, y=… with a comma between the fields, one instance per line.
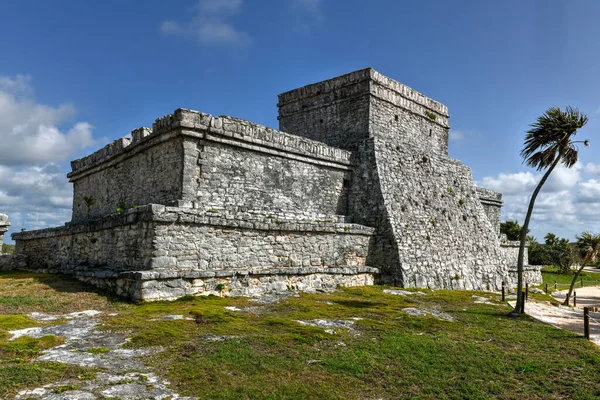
x=211, y=24
x=567, y=204
x=34, y=190
x=34, y=197
x=589, y=191
x=592, y=168
x=562, y=178
x=511, y=184
x=29, y=131
x=456, y=135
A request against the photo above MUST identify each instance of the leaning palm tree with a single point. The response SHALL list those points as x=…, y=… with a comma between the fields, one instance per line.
x=589, y=248
x=547, y=143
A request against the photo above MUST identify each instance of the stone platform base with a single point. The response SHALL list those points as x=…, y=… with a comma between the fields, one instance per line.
x=170, y=285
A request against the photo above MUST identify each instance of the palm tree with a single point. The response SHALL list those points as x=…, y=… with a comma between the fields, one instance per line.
x=547, y=143
x=511, y=229
x=589, y=247
x=551, y=238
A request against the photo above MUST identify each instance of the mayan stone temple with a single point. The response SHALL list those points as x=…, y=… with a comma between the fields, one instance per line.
x=356, y=185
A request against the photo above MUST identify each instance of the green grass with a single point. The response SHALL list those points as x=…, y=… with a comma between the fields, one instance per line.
x=25, y=292
x=98, y=350
x=552, y=274
x=268, y=355
x=483, y=354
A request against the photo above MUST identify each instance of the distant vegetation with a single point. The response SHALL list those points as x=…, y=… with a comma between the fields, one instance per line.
x=8, y=248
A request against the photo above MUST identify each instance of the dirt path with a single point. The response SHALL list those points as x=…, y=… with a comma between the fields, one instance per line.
x=569, y=318
x=586, y=296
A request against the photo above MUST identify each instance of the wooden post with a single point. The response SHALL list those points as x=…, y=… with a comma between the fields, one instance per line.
x=526, y=291
x=554, y=285
x=586, y=322
x=574, y=299
x=546, y=287
x=502, y=291
x=523, y=303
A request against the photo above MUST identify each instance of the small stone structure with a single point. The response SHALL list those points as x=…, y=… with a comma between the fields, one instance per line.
x=4, y=224
x=6, y=260
x=356, y=182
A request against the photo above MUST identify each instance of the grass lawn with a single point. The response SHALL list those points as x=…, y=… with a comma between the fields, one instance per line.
x=551, y=275
x=266, y=354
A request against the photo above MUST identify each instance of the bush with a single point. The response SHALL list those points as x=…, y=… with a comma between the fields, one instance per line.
x=8, y=248
x=558, y=254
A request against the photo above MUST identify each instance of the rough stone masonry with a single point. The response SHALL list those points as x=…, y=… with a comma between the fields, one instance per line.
x=357, y=183
x=4, y=224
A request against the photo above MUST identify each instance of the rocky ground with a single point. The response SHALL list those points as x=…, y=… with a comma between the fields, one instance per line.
x=123, y=376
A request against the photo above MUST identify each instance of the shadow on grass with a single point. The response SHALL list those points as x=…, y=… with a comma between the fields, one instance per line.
x=359, y=303
x=61, y=283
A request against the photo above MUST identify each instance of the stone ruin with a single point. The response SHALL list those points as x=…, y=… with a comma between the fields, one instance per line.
x=356, y=184
x=4, y=224
x=6, y=260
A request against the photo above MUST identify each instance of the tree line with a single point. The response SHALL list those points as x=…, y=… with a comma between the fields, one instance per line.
x=559, y=252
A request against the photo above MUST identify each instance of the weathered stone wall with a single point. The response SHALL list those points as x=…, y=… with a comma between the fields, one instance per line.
x=122, y=242
x=7, y=262
x=335, y=111
x=347, y=109
x=220, y=243
x=492, y=205
x=157, y=237
x=236, y=178
x=125, y=174
x=4, y=224
x=432, y=229
x=510, y=252
x=170, y=285
x=194, y=160
x=395, y=121
x=442, y=232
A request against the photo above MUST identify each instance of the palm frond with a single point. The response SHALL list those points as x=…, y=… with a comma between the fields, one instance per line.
x=588, y=245
x=550, y=137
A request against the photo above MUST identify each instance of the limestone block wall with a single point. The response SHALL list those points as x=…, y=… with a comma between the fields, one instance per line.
x=405, y=128
x=4, y=224
x=432, y=229
x=231, y=177
x=122, y=173
x=510, y=251
x=118, y=243
x=207, y=241
x=443, y=236
x=156, y=237
x=492, y=204
x=195, y=160
x=345, y=110
x=335, y=111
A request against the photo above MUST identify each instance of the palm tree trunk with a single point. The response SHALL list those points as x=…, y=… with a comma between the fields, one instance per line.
x=523, y=239
x=566, y=302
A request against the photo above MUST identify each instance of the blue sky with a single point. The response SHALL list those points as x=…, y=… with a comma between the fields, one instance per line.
x=75, y=75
